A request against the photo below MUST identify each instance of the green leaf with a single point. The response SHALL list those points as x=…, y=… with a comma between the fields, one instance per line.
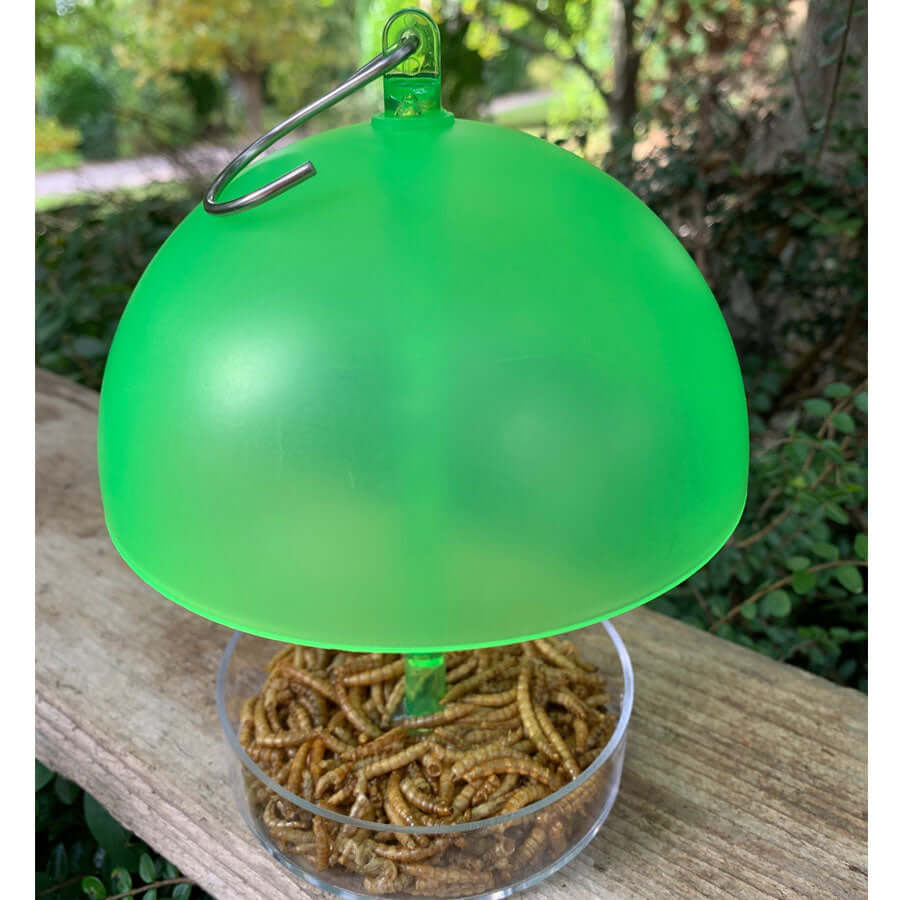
x=861, y=546
x=777, y=604
x=42, y=776
x=170, y=871
x=182, y=891
x=93, y=887
x=862, y=401
x=804, y=582
x=818, y=408
x=66, y=790
x=797, y=562
x=749, y=610
x=835, y=513
x=850, y=578
x=146, y=869
x=121, y=879
x=844, y=423
x=109, y=834
x=150, y=895
x=838, y=389
x=824, y=550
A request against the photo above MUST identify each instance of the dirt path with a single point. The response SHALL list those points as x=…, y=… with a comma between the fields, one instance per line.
x=120, y=173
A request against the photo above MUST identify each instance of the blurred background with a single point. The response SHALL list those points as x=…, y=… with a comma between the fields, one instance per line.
x=741, y=123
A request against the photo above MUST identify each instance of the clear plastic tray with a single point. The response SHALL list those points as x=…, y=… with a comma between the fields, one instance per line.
x=508, y=853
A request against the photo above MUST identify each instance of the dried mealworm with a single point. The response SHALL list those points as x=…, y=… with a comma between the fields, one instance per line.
x=555, y=738
x=377, y=746
x=278, y=657
x=397, y=811
x=247, y=724
x=316, y=755
x=462, y=688
x=550, y=653
x=445, y=785
x=600, y=699
x=298, y=764
x=485, y=789
x=465, y=761
x=463, y=800
x=323, y=843
x=529, y=793
x=581, y=735
x=395, y=697
x=284, y=739
x=417, y=797
x=395, y=761
x=332, y=741
x=320, y=685
x=564, y=697
x=357, y=717
x=449, y=714
x=412, y=854
x=463, y=670
x=387, y=672
x=504, y=698
x=260, y=720
x=504, y=764
x=526, y=713
x=377, y=690
x=334, y=778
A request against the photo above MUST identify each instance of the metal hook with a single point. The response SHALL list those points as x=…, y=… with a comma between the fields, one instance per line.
x=368, y=73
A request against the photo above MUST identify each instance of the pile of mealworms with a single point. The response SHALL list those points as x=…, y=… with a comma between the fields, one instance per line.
x=516, y=723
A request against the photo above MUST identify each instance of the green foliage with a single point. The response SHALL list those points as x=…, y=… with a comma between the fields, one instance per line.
x=77, y=94
x=791, y=582
x=88, y=259
x=82, y=851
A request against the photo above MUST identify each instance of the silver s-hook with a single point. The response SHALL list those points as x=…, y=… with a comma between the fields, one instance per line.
x=405, y=47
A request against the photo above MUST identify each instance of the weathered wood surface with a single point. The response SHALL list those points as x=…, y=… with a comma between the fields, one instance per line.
x=743, y=778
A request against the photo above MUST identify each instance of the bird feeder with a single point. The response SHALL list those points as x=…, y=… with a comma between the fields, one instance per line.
x=460, y=390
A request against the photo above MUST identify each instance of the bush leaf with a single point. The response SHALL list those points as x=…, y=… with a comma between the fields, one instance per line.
x=66, y=790
x=850, y=578
x=817, y=407
x=42, y=776
x=182, y=891
x=803, y=581
x=109, y=834
x=861, y=546
x=121, y=879
x=93, y=887
x=777, y=604
x=824, y=550
x=146, y=869
x=844, y=423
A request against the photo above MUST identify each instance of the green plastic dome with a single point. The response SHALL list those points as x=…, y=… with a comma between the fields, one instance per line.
x=460, y=389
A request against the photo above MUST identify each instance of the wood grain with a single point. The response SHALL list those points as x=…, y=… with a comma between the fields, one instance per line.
x=743, y=778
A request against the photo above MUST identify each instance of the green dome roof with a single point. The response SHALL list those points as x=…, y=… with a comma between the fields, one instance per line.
x=462, y=388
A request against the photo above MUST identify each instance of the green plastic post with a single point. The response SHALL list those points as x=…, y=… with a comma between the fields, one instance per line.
x=413, y=88
x=426, y=683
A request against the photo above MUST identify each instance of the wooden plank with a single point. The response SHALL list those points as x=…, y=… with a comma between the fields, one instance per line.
x=743, y=778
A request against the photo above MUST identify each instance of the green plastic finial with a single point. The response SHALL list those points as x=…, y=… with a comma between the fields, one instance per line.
x=413, y=88
x=426, y=683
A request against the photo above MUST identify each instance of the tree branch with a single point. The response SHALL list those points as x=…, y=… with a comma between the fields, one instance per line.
x=794, y=77
x=832, y=102
x=532, y=46
x=783, y=582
